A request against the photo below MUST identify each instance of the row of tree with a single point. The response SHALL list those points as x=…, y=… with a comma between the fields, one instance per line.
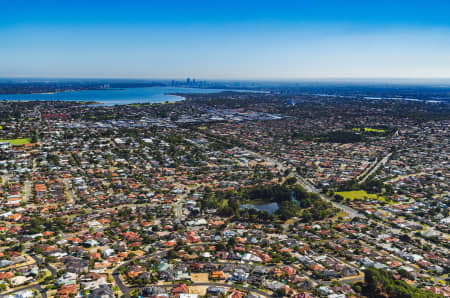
x=291, y=198
x=381, y=283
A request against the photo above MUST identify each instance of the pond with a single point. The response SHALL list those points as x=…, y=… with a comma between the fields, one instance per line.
x=271, y=208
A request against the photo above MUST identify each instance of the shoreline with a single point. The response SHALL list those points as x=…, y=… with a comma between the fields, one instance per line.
x=81, y=102
x=159, y=102
x=66, y=91
x=150, y=95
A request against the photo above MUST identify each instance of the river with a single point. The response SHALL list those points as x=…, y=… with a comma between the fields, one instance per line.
x=114, y=96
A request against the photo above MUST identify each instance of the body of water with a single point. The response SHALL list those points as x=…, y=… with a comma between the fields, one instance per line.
x=269, y=207
x=114, y=96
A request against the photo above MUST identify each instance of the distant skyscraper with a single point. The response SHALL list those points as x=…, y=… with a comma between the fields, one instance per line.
x=188, y=81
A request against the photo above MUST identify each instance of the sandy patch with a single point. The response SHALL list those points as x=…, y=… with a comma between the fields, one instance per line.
x=199, y=277
x=200, y=290
x=139, y=253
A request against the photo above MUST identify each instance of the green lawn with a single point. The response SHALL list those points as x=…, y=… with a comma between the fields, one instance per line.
x=360, y=194
x=366, y=129
x=100, y=117
x=374, y=130
x=17, y=142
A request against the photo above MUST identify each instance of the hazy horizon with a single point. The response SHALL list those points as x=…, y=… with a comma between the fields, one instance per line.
x=249, y=80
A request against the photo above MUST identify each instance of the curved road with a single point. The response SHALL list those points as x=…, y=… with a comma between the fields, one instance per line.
x=35, y=287
x=124, y=289
x=52, y=270
x=216, y=284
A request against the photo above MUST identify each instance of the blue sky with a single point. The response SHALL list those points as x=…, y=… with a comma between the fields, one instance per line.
x=225, y=39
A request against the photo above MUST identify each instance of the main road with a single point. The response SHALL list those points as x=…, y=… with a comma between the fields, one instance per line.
x=352, y=213
x=223, y=285
x=308, y=186
x=382, y=162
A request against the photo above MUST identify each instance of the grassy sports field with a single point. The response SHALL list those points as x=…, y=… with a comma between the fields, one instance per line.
x=366, y=129
x=17, y=142
x=360, y=194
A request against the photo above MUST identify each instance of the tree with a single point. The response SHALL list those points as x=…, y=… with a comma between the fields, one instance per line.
x=338, y=198
x=234, y=204
x=232, y=242
x=379, y=283
x=220, y=246
x=172, y=254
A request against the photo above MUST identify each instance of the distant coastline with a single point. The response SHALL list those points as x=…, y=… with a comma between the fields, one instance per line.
x=115, y=96
x=71, y=90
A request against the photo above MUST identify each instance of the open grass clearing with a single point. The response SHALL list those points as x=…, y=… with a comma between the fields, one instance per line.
x=17, y=142
x=367, y=129
x=360, y=195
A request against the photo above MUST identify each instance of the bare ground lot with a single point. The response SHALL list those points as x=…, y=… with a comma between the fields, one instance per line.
x=199, y=277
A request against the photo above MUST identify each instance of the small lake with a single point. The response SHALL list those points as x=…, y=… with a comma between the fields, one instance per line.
x=115, y=96
x=270, y=207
